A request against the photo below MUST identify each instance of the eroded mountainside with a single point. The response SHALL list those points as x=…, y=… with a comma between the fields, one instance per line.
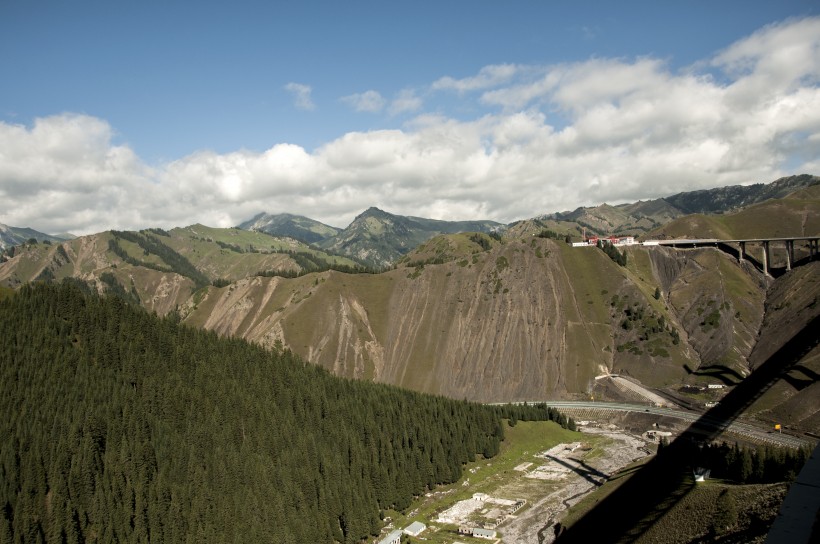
x=518, y=316
x=522, y=320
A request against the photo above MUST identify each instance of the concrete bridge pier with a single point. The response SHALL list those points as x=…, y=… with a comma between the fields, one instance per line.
x=789, y=254
x=741, y=252
x=766, y=259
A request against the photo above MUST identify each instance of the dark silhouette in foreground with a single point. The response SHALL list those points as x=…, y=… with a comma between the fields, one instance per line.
x=653, y=490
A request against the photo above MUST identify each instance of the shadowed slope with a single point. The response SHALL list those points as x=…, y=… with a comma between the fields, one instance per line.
x=627, y=513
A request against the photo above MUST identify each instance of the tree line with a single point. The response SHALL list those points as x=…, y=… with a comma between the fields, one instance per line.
x=612, y=252
x=741, y=464
x=309, y=263
x=152, y=245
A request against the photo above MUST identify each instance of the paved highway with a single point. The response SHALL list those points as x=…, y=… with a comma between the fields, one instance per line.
x=737, y=427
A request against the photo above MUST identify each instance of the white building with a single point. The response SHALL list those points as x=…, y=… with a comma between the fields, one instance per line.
x=392, y=538
x=489, y=534
x=415, y=528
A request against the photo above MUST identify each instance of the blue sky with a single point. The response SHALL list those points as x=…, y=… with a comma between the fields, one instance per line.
x=137, y=114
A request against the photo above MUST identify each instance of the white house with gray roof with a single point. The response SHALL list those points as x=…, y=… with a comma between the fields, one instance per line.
x=392, y=538
x=415, y=528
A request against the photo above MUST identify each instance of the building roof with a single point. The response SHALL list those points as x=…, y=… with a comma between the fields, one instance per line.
x=415, y=528
x=392, y=537
x=483, y=532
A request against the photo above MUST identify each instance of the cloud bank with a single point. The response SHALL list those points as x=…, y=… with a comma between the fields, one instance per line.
x=546, y=138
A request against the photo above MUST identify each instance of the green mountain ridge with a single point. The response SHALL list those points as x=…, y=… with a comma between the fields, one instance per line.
x=380, y=239
x=641, y=217
x=376, y=238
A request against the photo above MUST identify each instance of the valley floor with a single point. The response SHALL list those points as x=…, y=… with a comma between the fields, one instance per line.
x=587, y=471
x=547, y=468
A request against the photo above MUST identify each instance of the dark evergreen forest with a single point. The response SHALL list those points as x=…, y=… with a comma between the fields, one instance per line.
x=744, y=465
x=119, y=426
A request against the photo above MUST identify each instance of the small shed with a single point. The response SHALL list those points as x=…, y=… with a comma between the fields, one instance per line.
x=415, y=528
x=392, y=538
x=489, y=534
x=701, y=474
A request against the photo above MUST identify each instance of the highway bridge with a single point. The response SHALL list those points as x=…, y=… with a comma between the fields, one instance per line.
x=735, y=247
x=787, y=243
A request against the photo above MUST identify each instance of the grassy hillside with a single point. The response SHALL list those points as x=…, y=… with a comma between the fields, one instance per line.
x=798, y=214
x=234, y=253
x=379, y=239
x=290, y=226
x=164, y=269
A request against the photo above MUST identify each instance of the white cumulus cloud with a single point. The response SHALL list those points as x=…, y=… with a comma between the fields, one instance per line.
x=545, y=138
x=406, y=101
x=301, y=95
x=369, y=101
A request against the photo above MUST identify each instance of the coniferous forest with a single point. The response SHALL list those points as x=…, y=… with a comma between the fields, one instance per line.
x=121, y=426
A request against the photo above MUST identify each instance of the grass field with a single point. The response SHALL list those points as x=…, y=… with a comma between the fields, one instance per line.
x=5, y=292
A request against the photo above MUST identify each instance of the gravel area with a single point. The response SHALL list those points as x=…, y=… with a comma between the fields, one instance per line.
x=578, y=476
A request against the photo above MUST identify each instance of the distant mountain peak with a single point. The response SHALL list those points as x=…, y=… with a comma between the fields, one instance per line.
x=12, y=236
x=373, y=211
x=289, y=225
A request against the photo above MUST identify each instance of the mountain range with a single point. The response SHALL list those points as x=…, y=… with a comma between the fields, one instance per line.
x=641, y=217
x=375, y=238
x=379, y=239
x=485, y=311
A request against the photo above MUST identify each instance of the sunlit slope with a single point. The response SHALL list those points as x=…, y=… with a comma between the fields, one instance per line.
x=290, y=226
x=161, y=270
x=90, y=259
x=235, y=253
x=523, y=319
